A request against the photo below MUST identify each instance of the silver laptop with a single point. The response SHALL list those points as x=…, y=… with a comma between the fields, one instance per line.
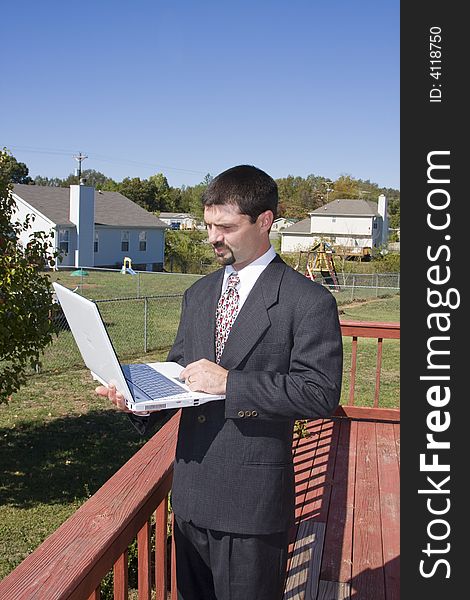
x=145, y=387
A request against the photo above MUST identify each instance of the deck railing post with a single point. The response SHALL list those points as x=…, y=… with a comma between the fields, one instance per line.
x=161, y=547
x=144, y=572
x=121, y=578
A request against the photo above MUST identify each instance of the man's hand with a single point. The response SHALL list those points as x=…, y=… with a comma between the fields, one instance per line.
x=112, y=394
x=117, y=399
x=205, y=376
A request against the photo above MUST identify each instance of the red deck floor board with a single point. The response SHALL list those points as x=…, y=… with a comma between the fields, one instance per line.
x=348, y=478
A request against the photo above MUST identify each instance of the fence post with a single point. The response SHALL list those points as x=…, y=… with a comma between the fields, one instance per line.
x=376, y=285
x=145, y=323
x=398, y=281
x=352, y=287
x=138, y=284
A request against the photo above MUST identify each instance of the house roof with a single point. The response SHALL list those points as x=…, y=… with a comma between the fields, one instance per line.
x=302, y=226
x=348, y=207
x=112, y=209
x=173, y=215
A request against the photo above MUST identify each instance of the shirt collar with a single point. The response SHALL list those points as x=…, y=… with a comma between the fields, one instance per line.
x=257, y=265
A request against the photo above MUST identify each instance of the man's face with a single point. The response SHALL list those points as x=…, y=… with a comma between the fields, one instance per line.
x=235, y=239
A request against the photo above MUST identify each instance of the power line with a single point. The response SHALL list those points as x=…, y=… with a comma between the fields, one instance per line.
x=100, y=158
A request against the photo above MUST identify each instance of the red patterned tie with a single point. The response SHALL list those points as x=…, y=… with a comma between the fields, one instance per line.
x=227, y=310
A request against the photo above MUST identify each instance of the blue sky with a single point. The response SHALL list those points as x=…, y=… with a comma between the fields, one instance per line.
x=193, y=87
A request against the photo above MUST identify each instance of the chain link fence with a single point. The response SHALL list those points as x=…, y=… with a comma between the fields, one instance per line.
x=362, y=286
x=103, y=284
x=140, y=324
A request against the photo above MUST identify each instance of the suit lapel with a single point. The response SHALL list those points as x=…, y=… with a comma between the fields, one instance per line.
x=253, y=319
x=205, y=319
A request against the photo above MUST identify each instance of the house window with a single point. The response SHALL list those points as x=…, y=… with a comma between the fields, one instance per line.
x=333, y=219
x=143, y=241
x=64, y=237
x=96, y=246
x=374, y=225
x=124, y=241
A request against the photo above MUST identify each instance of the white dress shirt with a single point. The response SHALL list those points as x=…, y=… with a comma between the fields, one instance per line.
x=249, y=275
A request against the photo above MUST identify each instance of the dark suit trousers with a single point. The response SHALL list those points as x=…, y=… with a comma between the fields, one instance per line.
x=213, y=565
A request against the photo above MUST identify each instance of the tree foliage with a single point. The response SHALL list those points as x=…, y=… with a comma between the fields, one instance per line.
x=299, y=196
x=25, y=292
x=14, y=171
x=187, y=248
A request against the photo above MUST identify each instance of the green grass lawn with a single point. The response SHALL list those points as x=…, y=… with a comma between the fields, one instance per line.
x=59, y=442
x=99, y=285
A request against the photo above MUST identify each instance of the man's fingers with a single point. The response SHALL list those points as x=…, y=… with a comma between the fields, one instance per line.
x=101, y=390
x=113, y=395
x=194, y=387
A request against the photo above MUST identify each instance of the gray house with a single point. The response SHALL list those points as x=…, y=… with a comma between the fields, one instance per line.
x=93, y=228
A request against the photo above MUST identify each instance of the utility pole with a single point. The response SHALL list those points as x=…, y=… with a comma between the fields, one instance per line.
x=328, y=189
x=81, y=157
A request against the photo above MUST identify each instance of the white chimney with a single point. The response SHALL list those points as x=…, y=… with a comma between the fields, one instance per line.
x=82, y=214
x=382, y=209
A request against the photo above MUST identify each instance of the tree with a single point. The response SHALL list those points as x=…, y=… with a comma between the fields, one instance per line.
x=25, y=292
x=191, y=198
x=298, y=196
x=48, y=181
x=187, y=248
x=93, y=178
x=162, y=193
x=15, y=172
x=138, y=191
x=346, y=187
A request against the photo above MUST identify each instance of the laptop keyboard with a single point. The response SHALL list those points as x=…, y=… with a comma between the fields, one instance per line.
x=153, y=383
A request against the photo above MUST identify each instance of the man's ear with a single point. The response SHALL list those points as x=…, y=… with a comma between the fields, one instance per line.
x=266, y=219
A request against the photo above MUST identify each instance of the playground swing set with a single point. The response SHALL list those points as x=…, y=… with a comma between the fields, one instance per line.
x=319, y=263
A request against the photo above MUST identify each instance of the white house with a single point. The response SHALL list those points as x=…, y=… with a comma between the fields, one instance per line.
x=282, y=223
x=349, y=224
x=178, y=220
x=93, y=228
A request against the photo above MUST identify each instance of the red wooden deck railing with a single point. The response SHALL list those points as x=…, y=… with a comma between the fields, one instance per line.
x=380, y=331
x=72, y=562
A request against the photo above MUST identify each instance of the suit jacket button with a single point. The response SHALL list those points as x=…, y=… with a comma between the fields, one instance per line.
x=254, y=413
x=241, y=413
x=247, y=413
x=201, y=418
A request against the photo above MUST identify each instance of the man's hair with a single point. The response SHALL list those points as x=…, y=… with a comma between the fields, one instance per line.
x=250, y=189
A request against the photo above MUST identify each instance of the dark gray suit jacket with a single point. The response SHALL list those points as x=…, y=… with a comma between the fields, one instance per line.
x=233, y=469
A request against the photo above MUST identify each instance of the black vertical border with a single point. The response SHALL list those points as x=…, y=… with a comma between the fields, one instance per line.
x=425, y=127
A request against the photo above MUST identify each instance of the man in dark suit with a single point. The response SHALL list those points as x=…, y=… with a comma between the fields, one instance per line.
x=268, y=339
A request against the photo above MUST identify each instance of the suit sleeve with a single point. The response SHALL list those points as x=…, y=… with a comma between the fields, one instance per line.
x=312, y=387
x=176, y=354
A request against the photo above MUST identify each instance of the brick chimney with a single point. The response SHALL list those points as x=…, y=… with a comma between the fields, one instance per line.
x=82, y=214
